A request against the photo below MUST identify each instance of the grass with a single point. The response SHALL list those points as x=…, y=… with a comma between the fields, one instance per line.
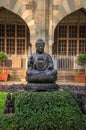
x=2, y=101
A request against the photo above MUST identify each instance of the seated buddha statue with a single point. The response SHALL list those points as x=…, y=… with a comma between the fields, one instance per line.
x=40, y=66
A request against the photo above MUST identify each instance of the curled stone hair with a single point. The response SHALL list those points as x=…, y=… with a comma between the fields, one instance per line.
x=40, y=41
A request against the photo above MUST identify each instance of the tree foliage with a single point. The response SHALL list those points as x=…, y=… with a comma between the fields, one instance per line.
x=81, y=59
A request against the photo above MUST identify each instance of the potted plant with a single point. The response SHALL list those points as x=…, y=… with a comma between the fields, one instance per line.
x=3, y=75
x=81, y=61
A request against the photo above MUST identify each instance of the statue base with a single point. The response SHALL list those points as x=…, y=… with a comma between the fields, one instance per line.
x=41, y=87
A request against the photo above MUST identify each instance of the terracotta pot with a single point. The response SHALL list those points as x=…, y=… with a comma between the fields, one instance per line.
x=3, y=77
x=80, y=78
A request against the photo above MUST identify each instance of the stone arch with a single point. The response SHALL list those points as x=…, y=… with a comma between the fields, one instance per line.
x=67, y=7
x=60, y=9
x=24, y=10
x=72, y=37
x=12, y=23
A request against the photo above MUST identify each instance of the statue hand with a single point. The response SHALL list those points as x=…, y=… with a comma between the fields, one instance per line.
x=31, y=60
x=55, y=72
x=50, y=67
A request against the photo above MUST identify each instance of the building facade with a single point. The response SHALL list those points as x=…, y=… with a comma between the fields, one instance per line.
x=60, y=23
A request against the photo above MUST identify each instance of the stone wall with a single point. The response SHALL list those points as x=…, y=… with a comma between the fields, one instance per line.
x=42, y=16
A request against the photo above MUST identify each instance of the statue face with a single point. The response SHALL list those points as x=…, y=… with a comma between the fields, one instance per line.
x=40, y=48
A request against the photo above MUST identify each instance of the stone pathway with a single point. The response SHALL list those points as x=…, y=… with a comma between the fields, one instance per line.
x=58, y=82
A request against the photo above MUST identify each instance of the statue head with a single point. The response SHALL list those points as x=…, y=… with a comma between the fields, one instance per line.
x=40, y=46
x=8, y=96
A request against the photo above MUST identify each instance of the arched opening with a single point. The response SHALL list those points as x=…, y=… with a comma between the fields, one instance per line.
x=14, y=40
x=70, y=39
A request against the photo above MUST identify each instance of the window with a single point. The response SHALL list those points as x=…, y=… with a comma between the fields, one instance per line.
x=72, y=31
x=72, y=47
x=82, y=17
x=20, y=30
x=82, y=31
x=14, y=33
x=10, y=30
x=70, y=34
x=2, y=30
x=20, y=46
x=10, y=46
x=73, y=18
x=62, y=47
x=62, y=31
x=82, y=46
x=2, y=45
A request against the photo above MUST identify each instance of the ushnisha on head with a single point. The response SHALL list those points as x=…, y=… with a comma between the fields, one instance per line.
x=40, y=46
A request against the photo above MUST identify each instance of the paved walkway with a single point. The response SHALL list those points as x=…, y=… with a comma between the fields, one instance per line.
x=58, y=82
x=70, y=83
x=12, y=82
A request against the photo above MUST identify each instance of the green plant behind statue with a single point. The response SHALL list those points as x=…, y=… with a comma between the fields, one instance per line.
x=3, y=74
x=81, y=60
x=2, y=59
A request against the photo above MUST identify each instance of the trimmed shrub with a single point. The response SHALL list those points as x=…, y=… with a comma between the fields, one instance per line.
x=2, y=100
x=6, y=122
x=44, y=111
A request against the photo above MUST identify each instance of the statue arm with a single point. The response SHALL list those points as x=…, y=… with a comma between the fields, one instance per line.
x=30, y=62
x=51, y=66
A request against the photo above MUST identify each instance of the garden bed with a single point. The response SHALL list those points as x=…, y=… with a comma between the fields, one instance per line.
x=75, y=89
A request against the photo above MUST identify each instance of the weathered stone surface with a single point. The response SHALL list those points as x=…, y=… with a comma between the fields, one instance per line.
x=41, y=75
x=9, y=104
x=41, y=87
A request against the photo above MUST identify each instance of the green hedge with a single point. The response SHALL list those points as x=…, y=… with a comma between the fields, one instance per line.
x=44, y=111
x=2, y=100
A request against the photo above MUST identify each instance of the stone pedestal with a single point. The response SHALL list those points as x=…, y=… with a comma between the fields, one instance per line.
x=41, y=87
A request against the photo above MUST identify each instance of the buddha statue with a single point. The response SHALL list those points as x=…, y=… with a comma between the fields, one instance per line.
x=40, y=66
x=9, y=104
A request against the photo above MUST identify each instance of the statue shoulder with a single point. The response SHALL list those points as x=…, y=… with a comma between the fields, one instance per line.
x=48, y=55
x=32, y=55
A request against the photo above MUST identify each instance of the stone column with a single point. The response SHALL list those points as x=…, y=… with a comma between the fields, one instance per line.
x=42, y=20
x=51, y=31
